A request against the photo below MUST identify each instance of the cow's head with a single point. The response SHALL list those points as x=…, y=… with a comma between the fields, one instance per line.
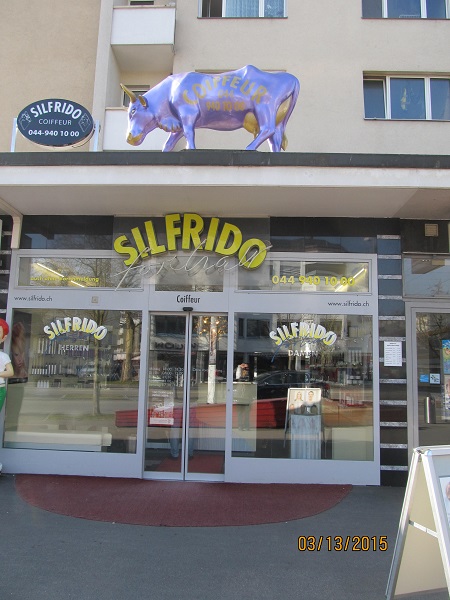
x=140, y=118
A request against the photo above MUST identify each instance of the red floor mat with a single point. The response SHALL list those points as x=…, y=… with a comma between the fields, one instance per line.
x=198, y=464
x=176, y=504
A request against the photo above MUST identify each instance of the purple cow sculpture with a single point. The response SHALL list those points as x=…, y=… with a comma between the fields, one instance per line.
x=248, y=98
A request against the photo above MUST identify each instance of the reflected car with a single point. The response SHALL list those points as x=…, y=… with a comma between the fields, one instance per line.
x=86, y=373
x=272, y=392
x=275, y=384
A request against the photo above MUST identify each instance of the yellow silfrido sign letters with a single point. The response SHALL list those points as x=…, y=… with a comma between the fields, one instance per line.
x=68, y=324
x=224, y=239
x=303, y=330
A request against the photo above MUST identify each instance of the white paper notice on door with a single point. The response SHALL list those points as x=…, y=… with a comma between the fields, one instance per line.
x=393, y=354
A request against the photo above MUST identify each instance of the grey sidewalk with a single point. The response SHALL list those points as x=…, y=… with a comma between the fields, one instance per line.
x=45, y=556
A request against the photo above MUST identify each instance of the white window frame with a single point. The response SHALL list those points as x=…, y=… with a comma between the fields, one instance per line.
x=261, y=9
x=386, y=79
x=423, y=9
x=383, y=81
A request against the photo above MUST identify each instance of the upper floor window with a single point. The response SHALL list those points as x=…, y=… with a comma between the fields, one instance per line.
x=405, y=9
x=389, y=97
x=137, y=89
x=243, y=8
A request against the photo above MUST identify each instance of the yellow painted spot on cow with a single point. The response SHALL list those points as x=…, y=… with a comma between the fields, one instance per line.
x=259, y=92
x=245, y=88
x=199, y=90
x=187, y=99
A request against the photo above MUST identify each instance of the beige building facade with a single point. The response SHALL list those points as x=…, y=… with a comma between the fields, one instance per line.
x=141, y=285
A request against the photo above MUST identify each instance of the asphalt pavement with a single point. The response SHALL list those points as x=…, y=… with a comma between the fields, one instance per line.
x=46, y=556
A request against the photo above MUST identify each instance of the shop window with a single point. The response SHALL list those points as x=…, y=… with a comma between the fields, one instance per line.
x=426, y=276
x=76, y=377
x=404, y=9
x=308, y=391
x=243, y=8
x=299, y=276
x=401, y=98
x=76, y=272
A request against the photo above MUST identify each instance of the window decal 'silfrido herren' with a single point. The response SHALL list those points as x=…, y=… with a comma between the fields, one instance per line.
x=248, y=98
x=56, y=122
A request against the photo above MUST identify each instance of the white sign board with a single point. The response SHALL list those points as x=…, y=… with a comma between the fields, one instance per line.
x=393, y=354
x=421, y=560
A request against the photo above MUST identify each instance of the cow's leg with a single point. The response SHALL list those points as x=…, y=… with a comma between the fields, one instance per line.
x=172, y=141
x=189, y=134
x=188, y=116
x=276, y=140
x=264, y=134
x=266, y=122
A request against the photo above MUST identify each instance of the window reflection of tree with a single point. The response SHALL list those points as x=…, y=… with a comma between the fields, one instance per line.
x=99, y=317
x=89, y=272
x=127, y=349
x=431, y=328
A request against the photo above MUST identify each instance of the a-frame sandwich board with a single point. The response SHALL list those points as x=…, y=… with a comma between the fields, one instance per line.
x=421, y=560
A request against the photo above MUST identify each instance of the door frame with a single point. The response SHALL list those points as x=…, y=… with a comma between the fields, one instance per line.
x=412, y=307
x=184, y=474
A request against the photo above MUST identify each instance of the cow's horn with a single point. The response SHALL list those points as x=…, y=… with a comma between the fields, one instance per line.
x=143, y=101
x=129, y=93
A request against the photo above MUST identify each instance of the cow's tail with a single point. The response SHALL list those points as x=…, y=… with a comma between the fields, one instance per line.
x=286, y=108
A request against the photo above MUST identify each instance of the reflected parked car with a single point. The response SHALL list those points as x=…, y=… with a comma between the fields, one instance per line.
x=86, y=373
x=272, y=392
x=275, y=384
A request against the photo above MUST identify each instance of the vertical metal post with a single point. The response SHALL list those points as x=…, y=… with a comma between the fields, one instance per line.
x=14, y=135
x=96, y=134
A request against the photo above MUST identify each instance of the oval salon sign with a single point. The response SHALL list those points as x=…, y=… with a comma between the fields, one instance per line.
x=56, y=122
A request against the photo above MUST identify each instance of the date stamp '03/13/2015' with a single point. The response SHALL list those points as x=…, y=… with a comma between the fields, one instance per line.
x=339, y=543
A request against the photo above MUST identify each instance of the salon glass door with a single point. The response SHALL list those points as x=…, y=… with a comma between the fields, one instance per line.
x=186, y=404
x=431, y=360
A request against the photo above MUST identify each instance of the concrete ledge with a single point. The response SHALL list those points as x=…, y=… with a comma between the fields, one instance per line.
x=224, y=158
